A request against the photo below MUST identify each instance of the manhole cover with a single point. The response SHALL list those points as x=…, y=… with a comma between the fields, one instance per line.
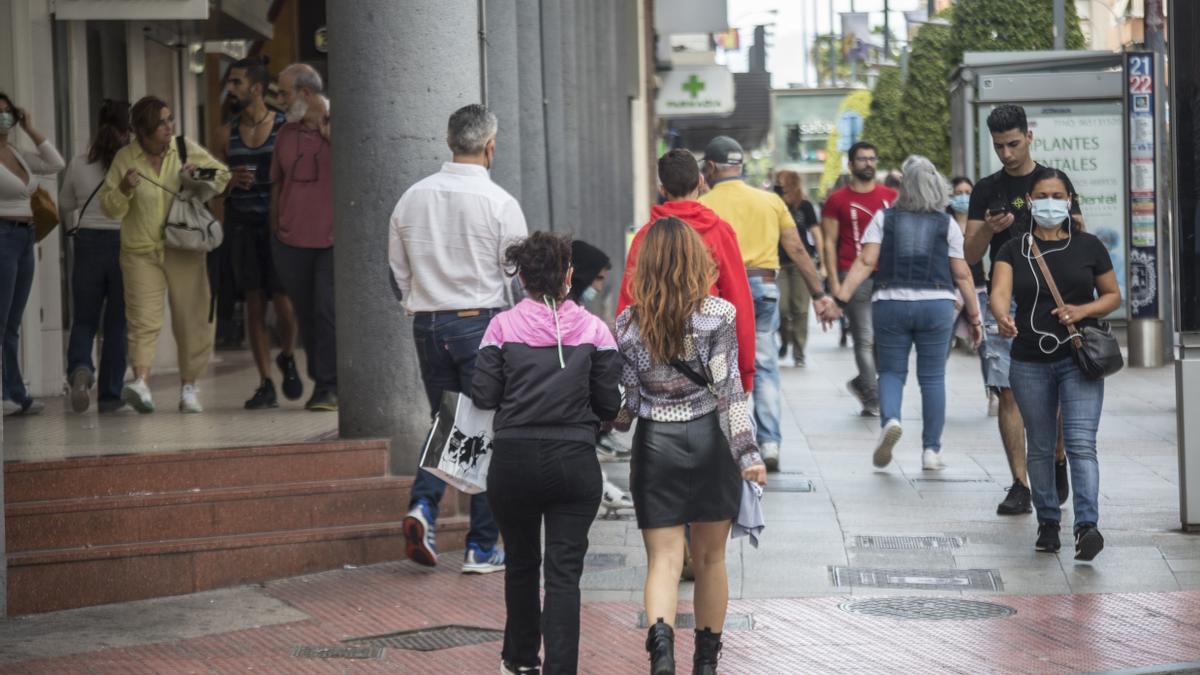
x=687, y=621
x=783, y=483
x=942, y=579
x=928, y=609
x=434, y=638
x=603, y=561
x=907, y=543
x=311, y=652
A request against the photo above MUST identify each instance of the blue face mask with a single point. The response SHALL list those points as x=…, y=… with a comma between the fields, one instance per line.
x=960, y=202
x=589, y=294
x=1050, y=213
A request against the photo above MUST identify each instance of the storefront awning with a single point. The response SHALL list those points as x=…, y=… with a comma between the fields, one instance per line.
x=210, y=19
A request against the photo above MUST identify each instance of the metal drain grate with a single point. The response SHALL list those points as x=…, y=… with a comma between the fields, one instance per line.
x=735, y=622
x=603, y=561
x=433, y=639
x=943, y=579
x=907, y=543
x=951, y=480
x=785, y=483
x=928, y=609
x=311, y=652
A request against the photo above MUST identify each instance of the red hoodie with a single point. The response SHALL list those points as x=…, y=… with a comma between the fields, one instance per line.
x=732, y=284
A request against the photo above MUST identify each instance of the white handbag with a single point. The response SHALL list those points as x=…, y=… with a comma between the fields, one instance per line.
x=189, y=225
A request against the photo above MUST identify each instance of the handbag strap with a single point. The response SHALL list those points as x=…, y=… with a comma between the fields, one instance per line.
x=692, y=375
x=79, y=218
x=1037, y=254
x=181, y=147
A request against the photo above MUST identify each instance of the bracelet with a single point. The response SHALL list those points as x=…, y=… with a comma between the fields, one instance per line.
x=839, y=302
x=818, y=296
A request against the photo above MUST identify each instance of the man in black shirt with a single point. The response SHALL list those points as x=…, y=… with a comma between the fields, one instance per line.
x=998, y=213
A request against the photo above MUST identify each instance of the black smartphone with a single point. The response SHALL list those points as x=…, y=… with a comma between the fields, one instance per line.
x=998, y=206
x=204, y=173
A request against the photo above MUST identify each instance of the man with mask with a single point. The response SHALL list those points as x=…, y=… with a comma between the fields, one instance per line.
x=301, y=220
x=998, y=212
x=446, y=244
x=844, y=219
x=246, y=146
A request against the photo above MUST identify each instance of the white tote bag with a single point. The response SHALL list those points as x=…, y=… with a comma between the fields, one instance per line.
x=459, y=447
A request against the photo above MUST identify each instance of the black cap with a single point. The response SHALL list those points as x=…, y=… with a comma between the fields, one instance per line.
x=723, y=150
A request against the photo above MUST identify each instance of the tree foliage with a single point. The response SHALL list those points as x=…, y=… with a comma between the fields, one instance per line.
x=1008, y=26
x=883, y=126
x=860, y=102
x=924, y=126
x=825, y=46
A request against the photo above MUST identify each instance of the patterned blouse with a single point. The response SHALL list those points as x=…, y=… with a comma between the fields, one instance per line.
x=659, y=392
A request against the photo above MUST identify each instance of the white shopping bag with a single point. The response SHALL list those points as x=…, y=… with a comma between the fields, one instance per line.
x=459, y=447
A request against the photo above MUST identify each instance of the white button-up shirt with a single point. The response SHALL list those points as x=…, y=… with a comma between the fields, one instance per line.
x=447, y=238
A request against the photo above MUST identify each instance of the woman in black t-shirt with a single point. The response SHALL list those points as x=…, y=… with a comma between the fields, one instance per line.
x=1044, y=377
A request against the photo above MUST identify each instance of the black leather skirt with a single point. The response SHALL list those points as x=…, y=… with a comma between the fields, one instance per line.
x=683, y=472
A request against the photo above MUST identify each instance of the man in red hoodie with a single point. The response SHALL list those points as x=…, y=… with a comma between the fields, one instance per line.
x=679, y=178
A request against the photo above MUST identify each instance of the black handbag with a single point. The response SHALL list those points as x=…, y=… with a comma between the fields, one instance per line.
x=1095, y=348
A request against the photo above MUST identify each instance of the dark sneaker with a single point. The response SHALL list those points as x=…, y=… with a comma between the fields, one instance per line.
x=1017, y=502
x=322, y=401
x=1048, y=537
x=81, y=383
x=1062, y=482
x=800, y=363
x=783, y=351
x=264, y=397
x=1088, y=542
x=293, y=387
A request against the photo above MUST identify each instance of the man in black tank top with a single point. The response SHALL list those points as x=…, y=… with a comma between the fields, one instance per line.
x=246, y=146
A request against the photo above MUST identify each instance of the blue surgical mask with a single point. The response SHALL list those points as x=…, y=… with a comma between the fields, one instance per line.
x=7, y=122
x=1050, y=213
x=960, y=202
x=589, y=294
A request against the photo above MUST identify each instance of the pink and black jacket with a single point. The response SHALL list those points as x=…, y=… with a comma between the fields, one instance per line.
x=550, y=371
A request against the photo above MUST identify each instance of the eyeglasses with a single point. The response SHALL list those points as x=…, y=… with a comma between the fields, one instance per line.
x=867, y=160
x=167, y=122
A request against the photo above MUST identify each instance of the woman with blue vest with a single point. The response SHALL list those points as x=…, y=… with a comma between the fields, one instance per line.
x=919, y=252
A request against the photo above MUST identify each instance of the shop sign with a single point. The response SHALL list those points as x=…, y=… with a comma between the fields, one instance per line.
x=696, y=90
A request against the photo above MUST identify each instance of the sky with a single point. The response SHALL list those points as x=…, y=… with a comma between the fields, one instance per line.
x=793, y=31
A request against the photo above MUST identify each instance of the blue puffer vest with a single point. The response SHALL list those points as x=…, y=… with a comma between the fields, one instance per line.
x=914, y=253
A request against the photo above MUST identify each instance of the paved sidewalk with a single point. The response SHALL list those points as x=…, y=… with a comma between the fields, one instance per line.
x=988, y=602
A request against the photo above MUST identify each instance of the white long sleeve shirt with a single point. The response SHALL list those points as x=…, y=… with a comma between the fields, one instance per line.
x=81, y=181
x=15, y=193
x=446, y=241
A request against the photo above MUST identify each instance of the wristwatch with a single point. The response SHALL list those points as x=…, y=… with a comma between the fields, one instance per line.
x=818, y=296
x=840, y=303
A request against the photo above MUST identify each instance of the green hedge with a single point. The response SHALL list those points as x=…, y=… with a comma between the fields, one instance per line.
x=924, y=127
x=882, y=127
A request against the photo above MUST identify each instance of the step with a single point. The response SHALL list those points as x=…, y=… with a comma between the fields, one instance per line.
x=50, y=580
x=115, y=475
x=103, y=521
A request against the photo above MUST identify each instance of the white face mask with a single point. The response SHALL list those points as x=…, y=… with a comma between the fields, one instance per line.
x=589, y=294
x=7, y=122
x=1050, y=213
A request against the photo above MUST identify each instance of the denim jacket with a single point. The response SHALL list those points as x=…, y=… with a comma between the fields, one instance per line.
x=914, y=252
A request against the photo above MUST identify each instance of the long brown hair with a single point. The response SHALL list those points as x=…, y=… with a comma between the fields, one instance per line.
x=673, y=275
x=793, y=190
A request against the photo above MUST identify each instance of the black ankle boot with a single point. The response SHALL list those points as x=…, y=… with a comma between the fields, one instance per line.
x=708, y=651
x=660, y=642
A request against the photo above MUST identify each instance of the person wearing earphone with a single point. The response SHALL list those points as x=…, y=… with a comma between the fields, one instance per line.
x=1044, y=376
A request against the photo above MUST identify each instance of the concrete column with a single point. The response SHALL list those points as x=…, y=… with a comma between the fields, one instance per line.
x=572, y=147
x=535, y=187
x=386, y=138
x=503, y=94
x=554, y=92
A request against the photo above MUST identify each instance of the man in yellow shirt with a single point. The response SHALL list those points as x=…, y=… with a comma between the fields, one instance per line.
x=762, y=223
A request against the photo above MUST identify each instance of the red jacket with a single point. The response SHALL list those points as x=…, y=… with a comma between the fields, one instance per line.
x=732, y=284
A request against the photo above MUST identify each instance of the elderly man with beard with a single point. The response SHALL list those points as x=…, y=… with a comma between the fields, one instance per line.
x=844, y=220
x=301, y=219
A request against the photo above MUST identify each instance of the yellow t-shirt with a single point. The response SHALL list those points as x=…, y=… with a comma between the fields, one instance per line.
x=758, y=218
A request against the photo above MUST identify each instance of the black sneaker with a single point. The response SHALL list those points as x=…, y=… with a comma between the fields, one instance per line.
x=81, y=383
x=1048, y=537
x=1062, y=482
x=1088, y=542
x=1017, y=502
x=293, y=387
x=323, y=401
x=264, y=397
x=783, y=351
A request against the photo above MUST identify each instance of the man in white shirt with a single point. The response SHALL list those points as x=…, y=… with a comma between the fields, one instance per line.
x=446, y=245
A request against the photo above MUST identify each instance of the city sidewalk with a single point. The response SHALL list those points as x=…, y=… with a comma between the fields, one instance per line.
x=859, y=570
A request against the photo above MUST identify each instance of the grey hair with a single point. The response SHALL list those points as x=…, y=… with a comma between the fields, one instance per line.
x=922, y=187
x=470, y=129
x=305, y=76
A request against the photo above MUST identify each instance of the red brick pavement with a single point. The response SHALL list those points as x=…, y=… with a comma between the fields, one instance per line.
x=810, y=635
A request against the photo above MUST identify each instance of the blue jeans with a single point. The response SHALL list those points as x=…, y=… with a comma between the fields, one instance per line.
x=96, y=283
x=16, y=280
x=446, y=349
x=1042, y=390
x=900, y=324
x=767, y=403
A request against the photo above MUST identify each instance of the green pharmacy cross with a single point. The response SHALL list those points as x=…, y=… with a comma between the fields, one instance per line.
x=693, y=86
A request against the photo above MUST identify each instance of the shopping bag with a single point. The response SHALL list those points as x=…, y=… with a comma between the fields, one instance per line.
x=459, y=447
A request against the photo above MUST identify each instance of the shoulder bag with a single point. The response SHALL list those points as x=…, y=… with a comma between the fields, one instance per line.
x=189, y=225
x=1095, y=348
x=79, y=218
x=45, y=213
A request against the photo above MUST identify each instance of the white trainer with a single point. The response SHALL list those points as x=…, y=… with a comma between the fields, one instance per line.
x=931, y=460
x=189, y=401
x=770, y=454
x=888, y=437
x=137, y=394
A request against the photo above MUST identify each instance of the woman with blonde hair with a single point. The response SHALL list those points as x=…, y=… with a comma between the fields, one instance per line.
x=694, y=442
x=794, y=297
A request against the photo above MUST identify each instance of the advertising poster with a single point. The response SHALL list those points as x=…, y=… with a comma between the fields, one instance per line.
x=1143, y=186
x=1086, y=140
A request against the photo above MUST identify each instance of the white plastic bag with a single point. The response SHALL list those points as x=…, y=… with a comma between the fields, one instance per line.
x=459, y=447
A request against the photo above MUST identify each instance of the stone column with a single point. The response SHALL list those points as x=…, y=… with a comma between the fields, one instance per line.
x=569, y=217
x=554, y=92
x=535, y=187
x=503, y=95
x=397, y=71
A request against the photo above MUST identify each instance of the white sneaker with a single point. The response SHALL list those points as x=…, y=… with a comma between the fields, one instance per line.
x=770, y=454
x=931, y=460
x=137, y=394
x=887, y=440
x=787, y=362
x=188, y=402
x=613, y=497
x=12, y=408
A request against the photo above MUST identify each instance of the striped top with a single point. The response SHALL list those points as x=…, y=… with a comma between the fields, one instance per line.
x=256, y=200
